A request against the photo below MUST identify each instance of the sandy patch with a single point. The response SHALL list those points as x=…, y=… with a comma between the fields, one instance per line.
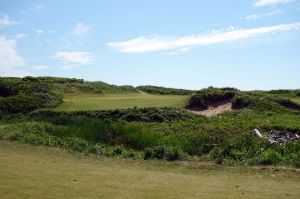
x=214, y=110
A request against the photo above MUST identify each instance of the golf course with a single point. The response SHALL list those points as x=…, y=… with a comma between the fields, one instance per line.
x=149, y=99
x=88, y=101
x=55, y=173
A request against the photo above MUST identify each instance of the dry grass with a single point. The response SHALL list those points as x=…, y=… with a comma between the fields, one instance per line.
x=39, y=172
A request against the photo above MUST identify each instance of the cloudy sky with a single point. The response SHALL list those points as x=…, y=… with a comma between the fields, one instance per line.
x=249, y=44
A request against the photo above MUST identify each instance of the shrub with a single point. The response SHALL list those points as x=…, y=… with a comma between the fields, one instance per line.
x=205, y=97
x=218, y=154
x=280, y=91
x=162, y=152
x=240, y=102
x=269, y=157
x=164, y=91
x=148, y=153
x=135, y=136
x=130, y=115
x=173, y=153
x=118, y=150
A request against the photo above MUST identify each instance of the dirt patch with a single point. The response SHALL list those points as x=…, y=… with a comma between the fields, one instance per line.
x=213, y=109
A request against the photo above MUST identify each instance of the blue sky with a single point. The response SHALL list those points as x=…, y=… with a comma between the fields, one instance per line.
x=249, y=44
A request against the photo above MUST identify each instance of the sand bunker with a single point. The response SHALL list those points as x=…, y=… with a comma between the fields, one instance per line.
x=214, y=110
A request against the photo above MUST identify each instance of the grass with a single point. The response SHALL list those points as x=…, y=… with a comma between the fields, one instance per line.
x=296, y=99
x=54, y=173
x=88, y=101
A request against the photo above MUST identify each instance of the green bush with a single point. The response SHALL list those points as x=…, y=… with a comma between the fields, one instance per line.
x=269, y=157
x=239, y=102
x=210, y=96
x=162, y=152
x=148, y=153
x=164, y=91
x=130, y=115
x=41, y=134
x=135, y=136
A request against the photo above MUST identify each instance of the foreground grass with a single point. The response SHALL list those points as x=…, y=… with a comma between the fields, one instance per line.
x=39, y=172
x=88, y=101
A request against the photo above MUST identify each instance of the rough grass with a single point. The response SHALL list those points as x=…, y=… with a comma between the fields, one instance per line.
x=39, y=172
x=88, y=101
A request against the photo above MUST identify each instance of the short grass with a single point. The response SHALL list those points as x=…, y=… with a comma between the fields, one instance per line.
x=39, y=172
x=88, y=101
x=296, y=99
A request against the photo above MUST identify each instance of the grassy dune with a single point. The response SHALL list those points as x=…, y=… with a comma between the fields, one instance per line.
x=88, y=101
x=39, y=172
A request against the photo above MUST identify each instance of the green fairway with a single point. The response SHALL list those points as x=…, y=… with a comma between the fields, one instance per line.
x=297, y=100
x=39, y=172
x=88, y=101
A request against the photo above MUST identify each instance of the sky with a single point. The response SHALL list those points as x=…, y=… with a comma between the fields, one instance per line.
x=192, y=44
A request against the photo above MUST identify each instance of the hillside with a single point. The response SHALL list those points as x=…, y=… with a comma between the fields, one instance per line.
x=164, y=91
x=31, y=93
x=109, y=120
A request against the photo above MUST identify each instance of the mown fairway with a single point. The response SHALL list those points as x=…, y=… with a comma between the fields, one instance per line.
x=297, y=100
x=88, y=101
x=39, y=172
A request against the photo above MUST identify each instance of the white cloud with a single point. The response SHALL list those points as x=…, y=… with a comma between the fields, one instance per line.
x=40, y=67
x=74, y=57
x=10, y=61
x=157, y=43
x=39, y=31
x=261, y=3
x=179, y=51
x=274, y=12
x=81, y=29
x=268, y=14
x=39, y=7
x=20, y=36
x=252, y=17
x=5, y=20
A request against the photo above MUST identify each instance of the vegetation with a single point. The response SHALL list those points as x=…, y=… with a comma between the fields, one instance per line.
x=25, y=95
x=92, y=101
x=164, y=91
x=22, y=95
x=40, y=172
x=152, y=132
x=210, y=96
x=240, y=102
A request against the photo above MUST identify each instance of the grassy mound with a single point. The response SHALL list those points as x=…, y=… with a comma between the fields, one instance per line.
x=164, y=91
x=210, y=96
x=22, y=95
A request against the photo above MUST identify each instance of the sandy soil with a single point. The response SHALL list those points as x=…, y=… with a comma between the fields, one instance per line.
x=214, y=110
